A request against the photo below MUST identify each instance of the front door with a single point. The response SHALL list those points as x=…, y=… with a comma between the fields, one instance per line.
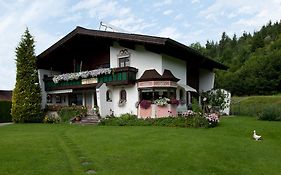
x=89, y=102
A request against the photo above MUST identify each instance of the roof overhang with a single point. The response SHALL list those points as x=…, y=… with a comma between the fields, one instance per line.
x=156, y=44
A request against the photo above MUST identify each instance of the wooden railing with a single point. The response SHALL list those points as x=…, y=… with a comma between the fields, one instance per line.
x=118, y=76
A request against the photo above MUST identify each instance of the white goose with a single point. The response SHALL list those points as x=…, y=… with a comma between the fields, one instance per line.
x=255, y=136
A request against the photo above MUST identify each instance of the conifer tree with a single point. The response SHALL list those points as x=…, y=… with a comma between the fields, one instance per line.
x=26, y=101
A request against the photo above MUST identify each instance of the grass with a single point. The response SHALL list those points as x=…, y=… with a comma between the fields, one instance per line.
x=61, y=149
x=251, y=105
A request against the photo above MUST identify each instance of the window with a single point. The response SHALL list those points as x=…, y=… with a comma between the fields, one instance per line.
x=49, y=98
x=123, y=62
x=123, y=58
x=181, y=94
x=123, y=95
x=58, y=99
x=108, y=96
x=123, y=98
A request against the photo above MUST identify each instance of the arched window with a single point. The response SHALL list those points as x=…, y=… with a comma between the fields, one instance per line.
x=108, y=96
x=123, y=95
x=181, y=94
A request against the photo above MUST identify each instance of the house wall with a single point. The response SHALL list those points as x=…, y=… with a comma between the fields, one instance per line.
x=176, y=66
x=41, y=74
x=104, y=106
x=140, y=59
x=132, y=98
x=206, y=80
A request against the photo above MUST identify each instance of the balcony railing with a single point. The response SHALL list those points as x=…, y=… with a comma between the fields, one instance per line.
x=117, y=76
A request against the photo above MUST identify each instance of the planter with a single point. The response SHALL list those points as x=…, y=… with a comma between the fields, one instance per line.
x=166, y=111
x=145, y=113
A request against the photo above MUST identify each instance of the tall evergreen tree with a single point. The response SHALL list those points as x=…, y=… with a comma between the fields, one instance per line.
x=26, y=101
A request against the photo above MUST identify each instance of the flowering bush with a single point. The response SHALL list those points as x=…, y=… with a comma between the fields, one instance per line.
x=188, y=113
x=145, y=104
x=78, y=75
x=174, y=101
x=51, y=119
x=213, y=119
x=161, y=101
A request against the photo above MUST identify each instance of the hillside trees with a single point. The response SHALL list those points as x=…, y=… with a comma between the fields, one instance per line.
x=254, y=61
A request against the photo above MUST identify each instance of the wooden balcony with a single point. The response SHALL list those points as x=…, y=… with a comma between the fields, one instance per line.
x=118, y=76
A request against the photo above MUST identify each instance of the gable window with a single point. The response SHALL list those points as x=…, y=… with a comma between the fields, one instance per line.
x=123, y=58
x=123, y=62
x=108, y=96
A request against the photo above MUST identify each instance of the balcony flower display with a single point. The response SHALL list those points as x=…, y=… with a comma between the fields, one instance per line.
x=162, y=101
x=145, y=104
x=78, y=75
x=174, y=101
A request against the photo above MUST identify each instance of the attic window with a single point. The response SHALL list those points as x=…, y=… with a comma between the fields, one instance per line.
x=123, y=58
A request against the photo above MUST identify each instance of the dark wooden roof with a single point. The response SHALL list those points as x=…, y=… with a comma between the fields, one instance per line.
x=5, y=95
x=153, y=75
x=159, y=45
x=150, y=75
x=167, y=75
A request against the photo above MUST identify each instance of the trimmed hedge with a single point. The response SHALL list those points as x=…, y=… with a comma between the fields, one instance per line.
x=132, y=120
x=5, y=111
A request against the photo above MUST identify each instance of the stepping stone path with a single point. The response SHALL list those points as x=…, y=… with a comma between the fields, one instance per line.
x=85, y=162
x=91, y=172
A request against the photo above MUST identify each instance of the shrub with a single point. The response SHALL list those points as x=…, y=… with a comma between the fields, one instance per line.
x=5, y=111
x=270, y=114
x=132, y=120
x=213, y=119
x=68, y=112
x=51, y=119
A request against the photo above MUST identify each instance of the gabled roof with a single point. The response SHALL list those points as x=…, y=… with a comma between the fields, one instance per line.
x=153, y=75
x=156, y=44
x=150, y=75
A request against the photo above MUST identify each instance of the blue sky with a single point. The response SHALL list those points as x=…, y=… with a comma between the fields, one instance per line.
x=186, y=21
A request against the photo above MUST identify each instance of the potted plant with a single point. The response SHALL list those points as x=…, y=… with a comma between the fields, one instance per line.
x=145, y=104
x=161, y=101
x=174, y=101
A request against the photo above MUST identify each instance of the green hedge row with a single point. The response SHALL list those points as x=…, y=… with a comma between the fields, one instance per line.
x=132, y=120
x=5, y=111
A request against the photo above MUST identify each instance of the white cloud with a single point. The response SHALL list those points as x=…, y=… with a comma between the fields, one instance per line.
x=117, y=14
x=168, y=12
x=195, y=1
x=179, y=17
x=19, y=15
x=162, y=3
x=170, y=32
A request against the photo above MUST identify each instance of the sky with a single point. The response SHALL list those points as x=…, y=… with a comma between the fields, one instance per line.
x=186, y=21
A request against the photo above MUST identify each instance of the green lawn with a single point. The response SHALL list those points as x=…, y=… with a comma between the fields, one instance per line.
x=38, y=149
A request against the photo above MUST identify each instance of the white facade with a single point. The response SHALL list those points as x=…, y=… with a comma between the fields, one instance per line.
x=176, y=66
x=206, y=80
x=41, y=74
x=105, y=107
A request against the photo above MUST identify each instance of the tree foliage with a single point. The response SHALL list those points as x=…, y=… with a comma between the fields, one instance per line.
x=254, y=61
x=26, y=100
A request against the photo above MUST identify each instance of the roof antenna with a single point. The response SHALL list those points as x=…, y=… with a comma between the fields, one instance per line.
x=105, y=26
